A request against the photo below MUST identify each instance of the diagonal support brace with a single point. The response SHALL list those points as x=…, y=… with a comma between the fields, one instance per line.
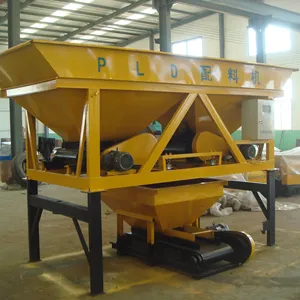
x=168, y=133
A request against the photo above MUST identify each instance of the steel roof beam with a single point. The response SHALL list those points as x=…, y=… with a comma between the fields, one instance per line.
x=22, y=6
x=41, y=33
x=137, y=29
x=260, y=8
x=95, y=6
x=217, y=7
x=91, y=15
x=103, y=19
x=57, y=24
x=173, y=9
x=195, y=17
x=250, y=9
x=29, y=13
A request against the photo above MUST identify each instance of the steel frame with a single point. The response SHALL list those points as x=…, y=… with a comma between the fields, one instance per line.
x=268, y=191
x=250, y=9
x=90, y=131
x=245, y=8
x=90, y=215
x=93, y=183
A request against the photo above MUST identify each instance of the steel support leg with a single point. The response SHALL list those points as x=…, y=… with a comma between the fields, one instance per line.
x=95, y=243
x=271, y=208
x=34, y=214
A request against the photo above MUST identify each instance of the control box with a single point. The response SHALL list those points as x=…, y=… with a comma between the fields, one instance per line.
x=257, y=119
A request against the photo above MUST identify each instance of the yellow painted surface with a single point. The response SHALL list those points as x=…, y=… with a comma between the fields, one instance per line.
x=93, y=133
x=66, y=60
x=207, y=141
x=139, y=146
x=168, y=132
x=170, y=207
x=125, y=90
x=113, y=70
x=259, y=176
x=290, y=179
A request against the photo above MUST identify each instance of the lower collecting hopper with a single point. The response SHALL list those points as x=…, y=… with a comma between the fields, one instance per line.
x=170, y=205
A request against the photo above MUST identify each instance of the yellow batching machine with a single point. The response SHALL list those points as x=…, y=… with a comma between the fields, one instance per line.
x=100, y=101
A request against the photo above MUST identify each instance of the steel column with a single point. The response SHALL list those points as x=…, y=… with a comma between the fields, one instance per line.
x=13, y=7
x=260, y=25
x=164, y=10
x=151, y=41
x=34, y=214
x=46, y=131
x=222, y=35
x=271, y=207
x=95, y=243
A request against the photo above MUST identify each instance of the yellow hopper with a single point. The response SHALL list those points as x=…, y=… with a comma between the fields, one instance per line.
x=100, y=100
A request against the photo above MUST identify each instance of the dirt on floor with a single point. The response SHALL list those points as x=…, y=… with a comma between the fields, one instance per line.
x=273, y=273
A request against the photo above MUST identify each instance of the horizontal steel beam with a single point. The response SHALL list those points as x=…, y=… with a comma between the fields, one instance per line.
x=97, y=6
x=182, y=22
x=90, y=14
x=150, y=5
x=248, y=186
x=263, y=9
x=217, y=7
x=250, y=9
x=59, y=207
x=102, y=20
x=22, y=6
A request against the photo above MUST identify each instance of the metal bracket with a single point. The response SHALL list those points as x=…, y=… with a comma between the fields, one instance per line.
x=159, y=3
x=259, y=22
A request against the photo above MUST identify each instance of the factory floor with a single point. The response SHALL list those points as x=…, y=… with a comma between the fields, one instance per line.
x=273, y=273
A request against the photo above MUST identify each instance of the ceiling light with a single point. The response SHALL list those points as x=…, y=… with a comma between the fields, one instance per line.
x=39, y=25
x=110, y=27
x=49, y=20
x=98, y=32
x=87, y=37
x=76, y=41
x=136, y=17
x=149, y=11
x=122, y=22
x=28, y=30
x=85, y=1
x=60, y=13
x=73, y=6
x=23, y=36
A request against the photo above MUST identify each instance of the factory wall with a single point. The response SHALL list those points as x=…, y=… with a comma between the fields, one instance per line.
x=5, y=122
x=236, y=47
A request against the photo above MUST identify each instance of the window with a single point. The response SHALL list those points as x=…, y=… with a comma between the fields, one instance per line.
x=278, y=39
x=283, y=109
x=190, y=47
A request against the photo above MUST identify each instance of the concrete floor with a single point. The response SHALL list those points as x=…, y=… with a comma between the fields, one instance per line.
x=273, y=273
